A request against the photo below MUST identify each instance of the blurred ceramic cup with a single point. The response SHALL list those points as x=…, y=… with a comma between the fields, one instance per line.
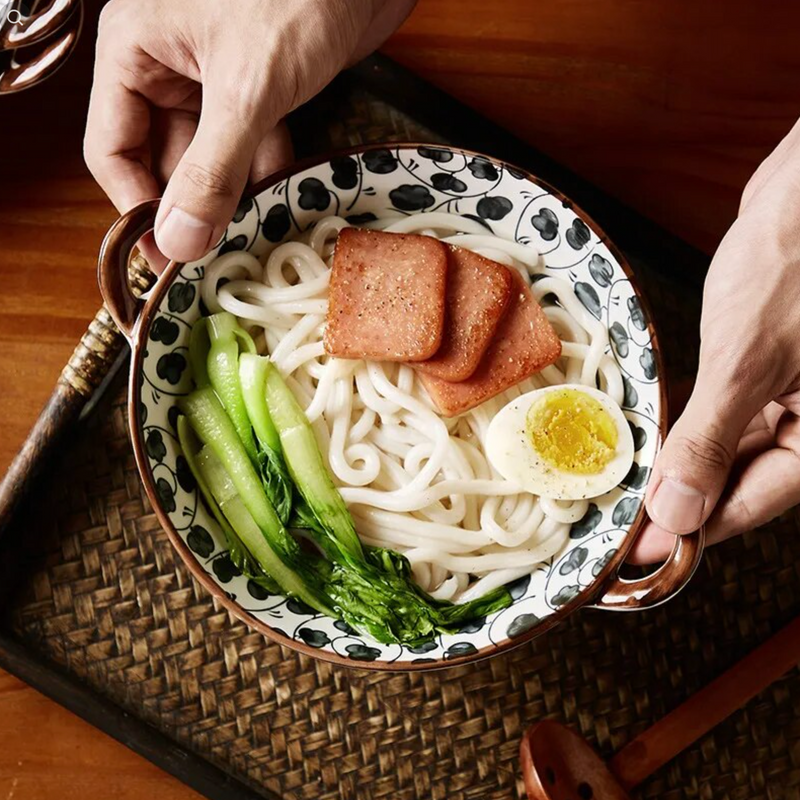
x=36, y=38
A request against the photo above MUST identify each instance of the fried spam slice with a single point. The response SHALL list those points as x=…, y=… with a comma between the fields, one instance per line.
x=478, y=291
x=524, y=344
x=387, y=296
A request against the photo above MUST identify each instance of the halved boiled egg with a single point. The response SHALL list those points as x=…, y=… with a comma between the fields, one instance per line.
x=565, y=442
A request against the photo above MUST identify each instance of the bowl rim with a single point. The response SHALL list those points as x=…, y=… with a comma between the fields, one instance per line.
x=138, y=345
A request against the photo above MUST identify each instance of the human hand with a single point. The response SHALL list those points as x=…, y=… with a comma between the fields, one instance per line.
x=188, y=96
x=733, y=457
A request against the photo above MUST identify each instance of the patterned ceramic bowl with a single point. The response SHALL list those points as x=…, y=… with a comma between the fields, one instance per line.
x=361, y=185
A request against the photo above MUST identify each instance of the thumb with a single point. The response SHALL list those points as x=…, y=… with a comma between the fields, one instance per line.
x=696, y=459
x=206, y=186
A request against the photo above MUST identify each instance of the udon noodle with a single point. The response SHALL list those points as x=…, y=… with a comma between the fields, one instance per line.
x=414, y=481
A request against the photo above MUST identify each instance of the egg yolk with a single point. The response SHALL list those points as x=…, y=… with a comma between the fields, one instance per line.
x=572, y=431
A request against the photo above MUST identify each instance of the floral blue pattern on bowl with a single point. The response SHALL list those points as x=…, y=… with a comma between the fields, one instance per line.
x=363, y=187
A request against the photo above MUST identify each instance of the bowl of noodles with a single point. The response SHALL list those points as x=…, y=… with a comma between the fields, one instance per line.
x=415, y=483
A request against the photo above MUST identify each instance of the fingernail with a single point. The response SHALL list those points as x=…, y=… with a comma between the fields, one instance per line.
x=183, y=237
x=676, y=507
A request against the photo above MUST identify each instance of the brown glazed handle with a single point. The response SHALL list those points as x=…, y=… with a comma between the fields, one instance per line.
x=37, y=27
x=24, y=72
x=619, y=594
x=112, y=266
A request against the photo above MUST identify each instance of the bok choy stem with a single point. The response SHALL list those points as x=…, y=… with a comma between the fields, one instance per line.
x=199, y=347
x=225, y=335
x=212, y=425
x=230, y=502
x=250, y=567
x=277, y=482
x=191, y=448
x=308, y=470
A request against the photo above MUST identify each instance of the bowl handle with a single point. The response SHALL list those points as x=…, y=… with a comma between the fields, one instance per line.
x=112, y=266
x=619, y=594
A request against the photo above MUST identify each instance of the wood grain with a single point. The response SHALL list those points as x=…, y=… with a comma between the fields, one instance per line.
x=669, y=104
x=47, y=752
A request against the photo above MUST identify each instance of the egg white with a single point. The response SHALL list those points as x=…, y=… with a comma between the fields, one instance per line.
x=512, y=454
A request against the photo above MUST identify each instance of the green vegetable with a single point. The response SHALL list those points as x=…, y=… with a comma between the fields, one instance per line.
x=232, y=505
x=199, y=346
x=223, y=372
x=308, y=470
x=274, y=474
x=249, y=566
x=236, y=487
x=256, y=486
x=253, y=377
x=381, y=599
x=373, y=590
x=191, y=448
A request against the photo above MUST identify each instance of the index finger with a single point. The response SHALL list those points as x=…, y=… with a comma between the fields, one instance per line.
x=765, y=485
x=117, y=142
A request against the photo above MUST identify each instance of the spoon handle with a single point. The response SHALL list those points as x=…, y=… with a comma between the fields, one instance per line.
x=708, y=707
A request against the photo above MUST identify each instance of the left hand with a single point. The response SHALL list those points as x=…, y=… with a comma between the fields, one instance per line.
x=188, y=96
x=733, y=458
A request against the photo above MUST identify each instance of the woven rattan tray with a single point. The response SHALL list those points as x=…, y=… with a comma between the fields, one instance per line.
x=99, y=613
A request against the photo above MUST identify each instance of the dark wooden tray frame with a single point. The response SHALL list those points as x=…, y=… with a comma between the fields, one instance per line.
x=640, y=238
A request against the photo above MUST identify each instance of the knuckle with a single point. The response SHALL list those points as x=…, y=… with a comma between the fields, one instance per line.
x=717, y=354
x=734, y=364
x=260, y=95
x=705, y=452
x=91, y=157
x=747, y=194
x=111, y=13
x=106, y=13
x=743, y=371
x=756, y=182
x=787, y=434
x=210, y=181
x=745, y=519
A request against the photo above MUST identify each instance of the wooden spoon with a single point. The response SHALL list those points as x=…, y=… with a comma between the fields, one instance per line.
x=557, y=764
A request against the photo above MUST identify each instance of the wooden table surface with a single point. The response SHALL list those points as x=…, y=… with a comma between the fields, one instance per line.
x=669, y=104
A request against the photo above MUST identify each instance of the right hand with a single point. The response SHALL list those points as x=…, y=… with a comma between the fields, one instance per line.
x=188, y=96
x=732, y=460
